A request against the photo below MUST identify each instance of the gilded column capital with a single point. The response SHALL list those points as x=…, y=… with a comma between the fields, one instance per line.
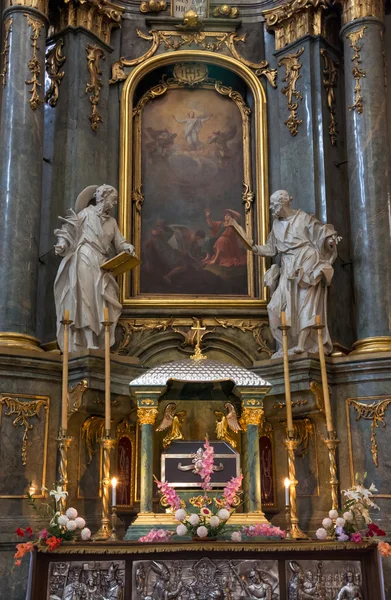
x=359, y=9
x=40, y=5
x=147, y=416
x=297, y=18
x=251, y=416
x=98, y=17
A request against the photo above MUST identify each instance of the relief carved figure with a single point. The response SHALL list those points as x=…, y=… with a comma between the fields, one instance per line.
x=338, y=583
x=306, y=250
x=86, y=240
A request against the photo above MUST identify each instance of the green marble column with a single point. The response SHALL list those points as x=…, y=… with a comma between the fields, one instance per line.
x=146, y=417
x=253, y=468
x=21, y=142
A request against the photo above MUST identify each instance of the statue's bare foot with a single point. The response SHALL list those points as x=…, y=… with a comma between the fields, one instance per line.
x=277, y=354
x=297, y=350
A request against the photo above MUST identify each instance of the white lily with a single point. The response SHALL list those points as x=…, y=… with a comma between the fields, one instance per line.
x=58, y=493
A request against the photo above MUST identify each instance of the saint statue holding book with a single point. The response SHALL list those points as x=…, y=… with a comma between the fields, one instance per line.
x=85, y=281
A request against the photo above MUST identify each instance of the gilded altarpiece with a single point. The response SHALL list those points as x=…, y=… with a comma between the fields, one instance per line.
x=193, y=157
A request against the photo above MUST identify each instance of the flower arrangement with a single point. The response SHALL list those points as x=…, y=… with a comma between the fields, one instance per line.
x=205, y=523
x=354, y=524
x=61, y=527
x=157, y=535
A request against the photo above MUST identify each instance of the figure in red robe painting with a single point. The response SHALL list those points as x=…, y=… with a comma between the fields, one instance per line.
x=224, y=249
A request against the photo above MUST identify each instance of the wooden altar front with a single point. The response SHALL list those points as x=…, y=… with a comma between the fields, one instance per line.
x=214, y=570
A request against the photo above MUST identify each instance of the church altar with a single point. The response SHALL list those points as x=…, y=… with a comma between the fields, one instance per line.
x=207, y=570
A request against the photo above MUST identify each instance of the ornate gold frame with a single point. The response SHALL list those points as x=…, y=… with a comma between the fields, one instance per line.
x=130, y=179
x=129, y=431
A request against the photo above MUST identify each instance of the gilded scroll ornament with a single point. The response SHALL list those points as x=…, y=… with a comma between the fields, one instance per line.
x=75, y=396
x=357, y=72
x=330, y=73
x=22, y=411
x=225, y=422
x=94, y=55
x=292, y=74
x=98, y=17
x=6, y=48
x=34, y=66
x=147, y=416
x=374, y=412
x=225, y=11
x=251, y=416
x=257, y=329
x=153, y=6
x=174, y=420
x=213, y=41
x=92, y=431
x=54, y=61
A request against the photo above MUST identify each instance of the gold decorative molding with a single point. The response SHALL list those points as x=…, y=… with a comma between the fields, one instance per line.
x=153, y=6
x=374, y=412
x=6, y=47
x=317, y=390
x=292, y=74
x=41, y=5
x=212, y=41
x=372, y=345
x=225, y=11
x=147, y=416
x=94, y=54
x=251, y=416
x=359, y=9
x=295, y=19
x=257, y=329
x=34, y=65
x=357, y=72
x=75, y=396
x=99, y=17
x=282, y=405
x=54, y=61
x=330, y=80
x=92, y=431
x=22, y=411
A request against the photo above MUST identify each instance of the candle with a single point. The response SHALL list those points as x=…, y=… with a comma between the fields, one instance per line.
x=288, y=401
x=107, y=373
x=283, y=318
x=64, y=404
x=325, y=387
x=287, y=485
x=114, y=491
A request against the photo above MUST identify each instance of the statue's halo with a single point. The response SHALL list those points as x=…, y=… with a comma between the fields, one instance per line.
x=84, y=197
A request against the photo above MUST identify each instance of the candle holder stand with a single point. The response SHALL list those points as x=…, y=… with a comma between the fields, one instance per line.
x=63, y=443
x=104, y=531
x=288, y=522
x=331, y=443
x=113, y=537
x=295, y=532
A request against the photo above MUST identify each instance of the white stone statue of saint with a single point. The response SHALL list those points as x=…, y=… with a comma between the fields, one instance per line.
x=306, y=249
x=87, y=239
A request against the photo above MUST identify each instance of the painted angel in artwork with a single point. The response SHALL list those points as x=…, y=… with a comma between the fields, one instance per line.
x=174, y=420
x=220, y=140
x=161, y=140
x=225, y=422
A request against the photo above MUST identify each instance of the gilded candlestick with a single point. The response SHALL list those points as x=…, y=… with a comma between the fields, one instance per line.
x=63, y=443
x=295, y=531
x=331, y=444
x=104, y=532
x=113, y=537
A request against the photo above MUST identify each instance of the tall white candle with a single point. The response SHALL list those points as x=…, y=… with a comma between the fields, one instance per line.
x=287, y=484
x=107, y=371
x=114, y=491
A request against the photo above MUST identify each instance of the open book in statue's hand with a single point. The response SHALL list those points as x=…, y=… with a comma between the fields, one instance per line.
x=242, y=234
x=122, y=263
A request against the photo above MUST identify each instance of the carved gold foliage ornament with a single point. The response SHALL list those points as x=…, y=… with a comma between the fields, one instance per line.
x=54, y=61
x=147, y=416
x=353, y=9
x=330, y=73
x=99, y=17
x=251, y=416
x=303, y=429
x=94, y=54
x=357, y=72
x=225, y=11
x=34, y=65
x=75, y=396
x=22, y=411
x=257, y=329
x=213, y=41
x=6, y=47
x=292, y=74
x=153, y=6
x=374, y=412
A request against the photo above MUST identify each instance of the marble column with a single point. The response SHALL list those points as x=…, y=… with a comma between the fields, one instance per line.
x=251, y=418
x=21, y=142
x=369, y=172
x=147, y=418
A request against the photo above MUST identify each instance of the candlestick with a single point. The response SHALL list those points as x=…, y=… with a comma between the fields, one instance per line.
x=63, y=443
x=114, y=491
x=327, y=405
x=288, y=401
x=104, y=531
x=287, y=485
x=113, y=537
x=295, y=531
x=64, y=403
x=107, y=324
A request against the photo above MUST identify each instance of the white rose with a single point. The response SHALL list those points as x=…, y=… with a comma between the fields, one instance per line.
x=348, y=516
x=71, y=513
x=194, y=519
x=327, y=523
x=85, y=534
x=71, y=525
x=63, y=520
x=223, y=514
x=180, y=514
x=214, y=521
x=340, y=522
x=333, y=514
x=321, y=534
x=80, y=522
x=181, y=529
x=202, y=531
x=236, y=536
